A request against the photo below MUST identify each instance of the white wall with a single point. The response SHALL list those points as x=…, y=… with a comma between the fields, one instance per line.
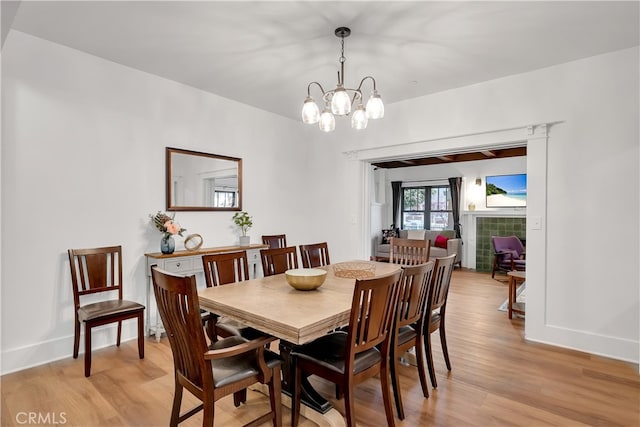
x=82, y=165
x=586, y=181
x=83, y=146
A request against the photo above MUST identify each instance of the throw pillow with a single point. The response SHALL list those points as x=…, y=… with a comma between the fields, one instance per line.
x=415, y=234
x=387, y=235
x=441, y=242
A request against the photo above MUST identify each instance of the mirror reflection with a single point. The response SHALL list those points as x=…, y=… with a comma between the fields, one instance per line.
x=199, y=181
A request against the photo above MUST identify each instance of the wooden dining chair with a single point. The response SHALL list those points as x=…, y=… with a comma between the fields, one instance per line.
x=219, y=270
x=409, y=251
x=275, y=241
x=228, y=366
x=349, y=358
x=99, y=271
x=436, y=310
x=409, y=325
x=315, y=255
x=279, y=260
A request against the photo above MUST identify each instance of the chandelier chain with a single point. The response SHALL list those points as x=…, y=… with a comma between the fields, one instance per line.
x=342, y=58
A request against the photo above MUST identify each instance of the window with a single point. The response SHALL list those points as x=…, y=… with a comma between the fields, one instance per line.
x=433, y=203
x=224, y=199
x=413, y=208
x=440, y=214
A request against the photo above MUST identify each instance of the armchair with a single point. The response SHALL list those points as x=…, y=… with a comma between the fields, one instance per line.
x=508, y=254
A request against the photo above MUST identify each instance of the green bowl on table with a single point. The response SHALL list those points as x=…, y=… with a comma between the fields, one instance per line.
x=305, y=279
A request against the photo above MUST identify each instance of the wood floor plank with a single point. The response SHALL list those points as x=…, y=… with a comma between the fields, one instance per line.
x=498, y=379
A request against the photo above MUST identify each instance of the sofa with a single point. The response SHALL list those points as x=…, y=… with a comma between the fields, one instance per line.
x=447, y=239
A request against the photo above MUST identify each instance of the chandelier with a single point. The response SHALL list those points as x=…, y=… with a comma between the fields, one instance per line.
x=338, y=101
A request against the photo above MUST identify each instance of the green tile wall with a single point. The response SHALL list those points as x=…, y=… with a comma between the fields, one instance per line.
x=487, y=227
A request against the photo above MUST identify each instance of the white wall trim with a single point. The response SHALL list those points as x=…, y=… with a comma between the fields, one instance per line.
x=597, y=344
x=499, y=138
x=36, y=354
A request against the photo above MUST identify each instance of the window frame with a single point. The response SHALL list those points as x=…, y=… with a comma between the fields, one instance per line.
x=427, y=211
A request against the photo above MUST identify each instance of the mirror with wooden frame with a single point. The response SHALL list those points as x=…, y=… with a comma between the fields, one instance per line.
x=202, y=181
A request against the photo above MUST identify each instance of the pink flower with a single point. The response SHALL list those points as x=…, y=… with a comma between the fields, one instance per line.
x=165, y=224
x=172, y=227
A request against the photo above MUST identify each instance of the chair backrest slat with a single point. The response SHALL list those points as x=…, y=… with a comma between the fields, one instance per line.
x=409, y=251
x=222, y=269
x=372, y=311
x=177, y=301
x=96, y=270
x=277, y=261
x=315, y=255
x=440, y=282
x=275, y=241
x=413, y=293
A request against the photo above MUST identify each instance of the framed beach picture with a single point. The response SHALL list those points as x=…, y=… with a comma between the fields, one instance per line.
x=507, y=191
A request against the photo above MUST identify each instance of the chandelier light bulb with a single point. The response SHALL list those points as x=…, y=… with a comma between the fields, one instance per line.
x=310, y=111
x=375, y=107
x=340, y=102
x=359, y=119
x=327, y=121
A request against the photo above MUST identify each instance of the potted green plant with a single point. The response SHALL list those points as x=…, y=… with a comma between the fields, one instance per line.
x=244, y=222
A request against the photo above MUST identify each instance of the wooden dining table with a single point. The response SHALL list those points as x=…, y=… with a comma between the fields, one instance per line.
x=271, y=305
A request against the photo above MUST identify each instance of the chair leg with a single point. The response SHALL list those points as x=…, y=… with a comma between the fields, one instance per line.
x=87, y=350
x=208, y=416
x=443, y=341
x=141, y=335
x=76, y=339
x=339, y=393
x=429, y=354
x=177, y=401
x=275, y=392
x=348, y=404
x=295, y=394
x=210, y=329
x=239, y=397
x=421, y=371
x=386, y=394
x=119, y=333
x=395, y=385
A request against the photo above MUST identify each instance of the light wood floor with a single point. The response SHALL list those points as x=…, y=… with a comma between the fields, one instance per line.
x=497, y=379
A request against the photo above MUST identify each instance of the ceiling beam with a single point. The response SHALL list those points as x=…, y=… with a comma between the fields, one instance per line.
x=452, y=158
x=447, y=159
x=409, y=162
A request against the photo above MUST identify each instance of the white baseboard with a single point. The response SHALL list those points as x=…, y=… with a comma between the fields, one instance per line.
x=597, y=344
x=19, y=358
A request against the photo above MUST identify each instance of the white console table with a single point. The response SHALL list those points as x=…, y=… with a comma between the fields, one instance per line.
x=190, y=262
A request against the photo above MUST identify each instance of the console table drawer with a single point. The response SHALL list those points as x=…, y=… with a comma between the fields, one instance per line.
x=179, y=265
x=253, y=256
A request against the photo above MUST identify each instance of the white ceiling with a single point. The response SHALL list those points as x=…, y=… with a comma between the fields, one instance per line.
x=265, y=53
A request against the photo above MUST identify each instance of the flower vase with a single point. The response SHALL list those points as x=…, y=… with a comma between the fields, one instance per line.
x=245, y=240
x=167, y=244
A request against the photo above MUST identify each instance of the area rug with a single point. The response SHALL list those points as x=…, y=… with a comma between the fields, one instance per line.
x=520, y=297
